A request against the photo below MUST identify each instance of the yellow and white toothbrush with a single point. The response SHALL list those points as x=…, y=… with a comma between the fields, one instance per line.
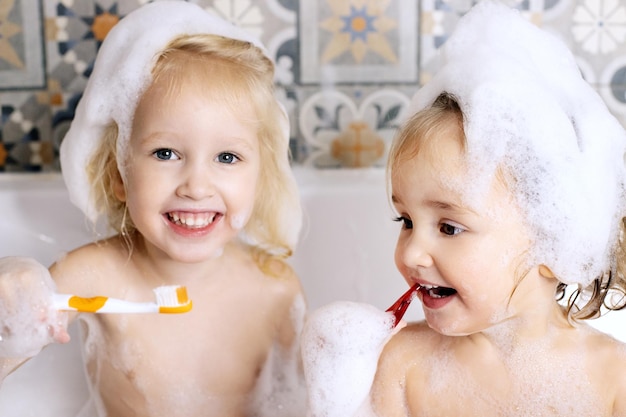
x=169, y=299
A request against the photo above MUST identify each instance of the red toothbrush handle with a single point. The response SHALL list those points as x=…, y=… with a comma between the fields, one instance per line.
x=399, y=307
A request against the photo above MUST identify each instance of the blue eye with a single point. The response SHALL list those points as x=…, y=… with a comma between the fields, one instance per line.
x=406, y=223
x=450, y=230
x=165, y=154
x=227, y=158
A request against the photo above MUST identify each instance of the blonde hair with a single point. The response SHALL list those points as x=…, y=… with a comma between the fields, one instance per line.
x=581, y=302
x=234, y=71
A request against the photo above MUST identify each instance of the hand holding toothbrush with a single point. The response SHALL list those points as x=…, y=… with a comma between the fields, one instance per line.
x=28, y=319
x=341, y=344
x=33, y=314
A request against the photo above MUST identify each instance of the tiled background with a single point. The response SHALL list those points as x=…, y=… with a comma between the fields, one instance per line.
x=345, y=68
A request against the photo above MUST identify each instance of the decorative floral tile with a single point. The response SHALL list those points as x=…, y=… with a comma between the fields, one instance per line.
x=345, y=69
x=21, y=46
x=349, y=41
x=350, y=130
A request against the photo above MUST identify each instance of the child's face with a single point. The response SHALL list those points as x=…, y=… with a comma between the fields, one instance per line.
x=471, y=245
x=192, y=172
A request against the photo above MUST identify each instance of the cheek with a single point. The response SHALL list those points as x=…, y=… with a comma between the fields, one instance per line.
x=241, y=196
x=399, y=260
x=139, y=194
x=397, y=254
x=239, y=219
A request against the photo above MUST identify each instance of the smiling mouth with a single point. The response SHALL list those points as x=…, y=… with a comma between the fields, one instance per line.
x=192, y=220
x=435, y=291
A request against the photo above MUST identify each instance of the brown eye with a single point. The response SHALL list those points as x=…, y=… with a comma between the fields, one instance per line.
x=406, y=223
x=450, y=230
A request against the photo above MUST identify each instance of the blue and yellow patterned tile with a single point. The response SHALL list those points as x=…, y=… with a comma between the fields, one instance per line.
x=358, y=41
x=25, y=133
x=349, y=127
x=22, y=61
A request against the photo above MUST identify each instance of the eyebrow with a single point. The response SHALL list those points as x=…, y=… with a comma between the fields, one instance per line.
x=442, y=205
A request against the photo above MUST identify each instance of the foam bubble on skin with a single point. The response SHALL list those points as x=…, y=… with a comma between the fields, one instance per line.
x=341, y=344
x=528, y=110
x=549, y=387
x=92, y=344
x=280, y=389
x=238, y=220
x=29, y=318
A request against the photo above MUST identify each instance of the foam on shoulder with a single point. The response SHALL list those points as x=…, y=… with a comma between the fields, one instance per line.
x=341, y=344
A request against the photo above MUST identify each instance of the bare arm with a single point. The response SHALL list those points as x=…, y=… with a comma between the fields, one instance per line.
x=388, y=395
x=619, y=406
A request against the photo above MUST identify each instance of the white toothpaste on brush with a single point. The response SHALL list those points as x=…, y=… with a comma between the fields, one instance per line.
x=341, y=344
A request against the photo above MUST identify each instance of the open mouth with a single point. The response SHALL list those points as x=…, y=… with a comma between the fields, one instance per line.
x=192, y=220
x=435, y=291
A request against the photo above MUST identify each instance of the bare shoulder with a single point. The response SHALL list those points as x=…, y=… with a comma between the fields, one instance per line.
x=275, y=275
x=617, y=367
x=606, y=367
x=284, y=276
x=79, y=269
x=284, y=287
x=271, y=286
x=611, y=355
x=409, y=344
x=619, y=370
x=403, y=351
x=289, y=299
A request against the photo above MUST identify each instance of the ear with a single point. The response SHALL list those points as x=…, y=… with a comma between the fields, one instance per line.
x=546, y=272
x=119, y=190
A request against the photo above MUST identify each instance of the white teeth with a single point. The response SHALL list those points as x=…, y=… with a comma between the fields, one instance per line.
x=429, y=287
x=431, y=293
x=192, y=220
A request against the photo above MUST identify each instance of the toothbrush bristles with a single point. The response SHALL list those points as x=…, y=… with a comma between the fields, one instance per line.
x=171, y=295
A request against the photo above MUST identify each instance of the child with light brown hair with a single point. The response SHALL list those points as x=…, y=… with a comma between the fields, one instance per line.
x=509, y=185
x=181, y=145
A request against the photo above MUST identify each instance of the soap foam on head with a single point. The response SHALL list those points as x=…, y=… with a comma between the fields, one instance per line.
x=528, y=110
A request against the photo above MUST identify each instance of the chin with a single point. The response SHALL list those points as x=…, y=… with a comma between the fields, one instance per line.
x=190, y=257
x=449, y=328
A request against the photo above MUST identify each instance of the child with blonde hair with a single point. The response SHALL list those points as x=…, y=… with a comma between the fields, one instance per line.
x=509, y=186
x=180, y=143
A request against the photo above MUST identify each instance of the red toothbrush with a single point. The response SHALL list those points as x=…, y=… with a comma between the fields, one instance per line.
x=399, y=307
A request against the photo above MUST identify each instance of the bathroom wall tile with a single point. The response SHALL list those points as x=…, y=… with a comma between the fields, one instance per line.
x=349, y=126
x=348, y=41
x=438, y=19
x=21, y=47
x=365, y=58
x=595, y=31
x=25, y=143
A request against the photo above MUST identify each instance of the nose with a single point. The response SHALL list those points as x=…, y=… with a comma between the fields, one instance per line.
x=413, y=250
x=196, y=182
